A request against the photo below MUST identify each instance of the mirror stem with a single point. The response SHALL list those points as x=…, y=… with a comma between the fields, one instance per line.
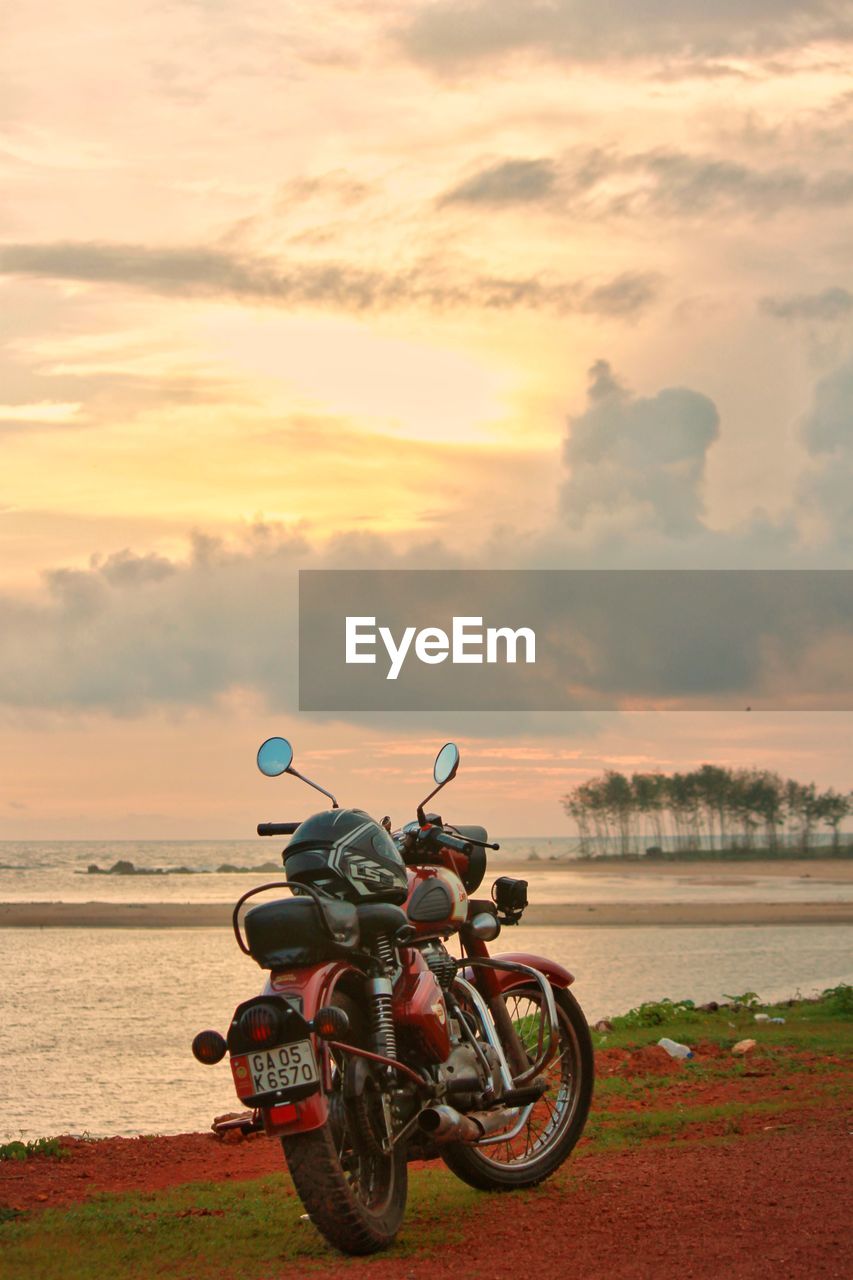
x=316, y=786
x=421, y=815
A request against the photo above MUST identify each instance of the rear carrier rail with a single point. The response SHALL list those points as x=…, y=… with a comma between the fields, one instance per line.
x=299, y=931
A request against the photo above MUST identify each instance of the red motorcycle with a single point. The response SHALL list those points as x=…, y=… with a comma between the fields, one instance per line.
x=372, y=1045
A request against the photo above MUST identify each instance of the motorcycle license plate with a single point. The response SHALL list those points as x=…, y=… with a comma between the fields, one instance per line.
x=282, y=1067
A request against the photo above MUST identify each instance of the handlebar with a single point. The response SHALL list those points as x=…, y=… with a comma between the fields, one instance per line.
x=277, y=828
x=448, y=841
x=441, y=839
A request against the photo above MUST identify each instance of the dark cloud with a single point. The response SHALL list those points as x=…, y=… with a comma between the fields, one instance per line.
x=220, y=273
x=132, y=633
x=510, y=182
x=835, y=303
x=448, y=34
x=685, y=184
x=826, y=490
x=626, y=295
x=665, y=183
x=643, y=457
x=135, y=631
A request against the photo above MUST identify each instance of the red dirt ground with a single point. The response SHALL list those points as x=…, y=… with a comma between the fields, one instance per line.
x=768, y=1207
x=767, y=1202
x=133, y=1164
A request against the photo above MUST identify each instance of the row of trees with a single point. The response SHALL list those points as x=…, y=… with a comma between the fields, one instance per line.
x=707, y=808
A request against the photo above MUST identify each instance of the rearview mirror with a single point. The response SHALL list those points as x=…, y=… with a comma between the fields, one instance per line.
x=275, y=756
x=446, y=763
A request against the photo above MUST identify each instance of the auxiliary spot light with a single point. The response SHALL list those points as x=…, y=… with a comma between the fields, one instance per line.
x=209, y=1047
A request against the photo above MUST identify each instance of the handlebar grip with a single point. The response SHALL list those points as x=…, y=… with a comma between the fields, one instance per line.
x=447, y=841
x=277, y=828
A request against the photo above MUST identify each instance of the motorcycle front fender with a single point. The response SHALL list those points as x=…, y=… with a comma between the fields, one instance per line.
x=310, y=989
x=506, y=979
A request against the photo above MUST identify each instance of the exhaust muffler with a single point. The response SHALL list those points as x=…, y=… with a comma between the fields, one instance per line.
x=445, y=1124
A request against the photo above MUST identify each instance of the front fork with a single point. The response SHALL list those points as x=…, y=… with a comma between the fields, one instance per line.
x=487, y=982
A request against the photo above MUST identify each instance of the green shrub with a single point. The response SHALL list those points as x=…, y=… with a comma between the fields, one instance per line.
x=653, y=1013
x=746, y=1000
x=36, y=1147
x=839, y=1000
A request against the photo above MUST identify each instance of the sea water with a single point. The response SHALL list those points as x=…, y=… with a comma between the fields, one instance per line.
x=96, y=1024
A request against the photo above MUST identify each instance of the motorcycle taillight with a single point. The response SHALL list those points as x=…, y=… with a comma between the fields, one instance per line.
x=260, y=1024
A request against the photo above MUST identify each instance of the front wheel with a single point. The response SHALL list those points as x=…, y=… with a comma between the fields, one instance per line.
x=542, y=1135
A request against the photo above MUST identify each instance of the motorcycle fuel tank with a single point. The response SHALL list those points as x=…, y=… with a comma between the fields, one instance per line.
x=437, y=900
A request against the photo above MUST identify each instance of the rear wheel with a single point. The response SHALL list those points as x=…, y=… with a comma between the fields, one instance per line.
x=541, y=1136
x=355, y=1193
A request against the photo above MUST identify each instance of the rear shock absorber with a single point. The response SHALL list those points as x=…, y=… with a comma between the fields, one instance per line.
x=379, y=990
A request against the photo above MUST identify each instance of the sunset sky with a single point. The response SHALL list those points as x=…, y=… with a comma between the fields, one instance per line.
x=504, y=284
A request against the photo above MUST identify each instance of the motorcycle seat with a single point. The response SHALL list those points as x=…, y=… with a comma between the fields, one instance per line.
x=290, y=932
x=379, y=917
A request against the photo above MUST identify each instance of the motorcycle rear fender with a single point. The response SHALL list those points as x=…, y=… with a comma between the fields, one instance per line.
x=506, y=979
x=311, y=988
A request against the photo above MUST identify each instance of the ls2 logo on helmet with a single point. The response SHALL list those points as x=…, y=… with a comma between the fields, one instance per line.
x=367, y=872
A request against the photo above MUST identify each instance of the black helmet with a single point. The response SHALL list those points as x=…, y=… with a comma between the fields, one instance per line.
x=349, y=855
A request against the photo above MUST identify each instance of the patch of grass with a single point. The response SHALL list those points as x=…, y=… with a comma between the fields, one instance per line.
x=824, y=1025
x=607, y=1131
x=212, y=1231
x=51, y=1147
x=699, y=1071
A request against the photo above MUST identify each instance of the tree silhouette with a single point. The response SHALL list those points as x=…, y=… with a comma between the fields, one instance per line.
x=711, y=807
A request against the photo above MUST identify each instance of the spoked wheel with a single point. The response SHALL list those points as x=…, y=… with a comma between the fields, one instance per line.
x=355, y=1193
x=539, y=1137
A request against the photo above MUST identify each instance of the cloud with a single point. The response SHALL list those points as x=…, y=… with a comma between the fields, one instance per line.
x=835, y=303
x=221, y=273
x=662, y=182
x=447, y=34
x=696, y=184
x=828, y=435
x=510, y=182
x=641, y=457
x=130, y=631
x=80, y=391
x=49, y=412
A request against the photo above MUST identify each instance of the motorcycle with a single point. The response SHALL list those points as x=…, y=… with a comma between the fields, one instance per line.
x=371, y=1044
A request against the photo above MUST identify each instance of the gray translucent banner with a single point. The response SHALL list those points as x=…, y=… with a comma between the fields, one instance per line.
x=567, y=640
